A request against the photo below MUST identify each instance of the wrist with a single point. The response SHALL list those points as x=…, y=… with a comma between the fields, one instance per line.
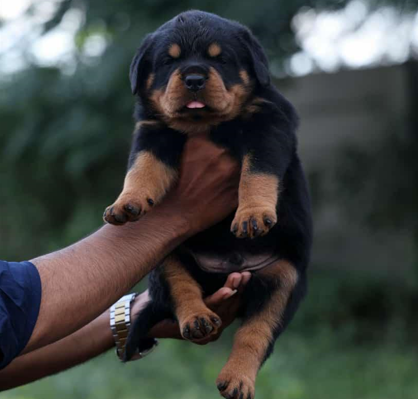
x=173, y=219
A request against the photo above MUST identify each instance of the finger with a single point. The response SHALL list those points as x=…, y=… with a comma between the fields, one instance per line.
x=229, y=289
x=219, y=296
x=165, y=329
x=233, y=281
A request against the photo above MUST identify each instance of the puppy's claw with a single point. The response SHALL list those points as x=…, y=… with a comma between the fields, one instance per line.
x=133, y=210
x=253, y=222
x=196, y=325
x=267, y=222
x=222, y=385
x=244, y=229
x=186, y=332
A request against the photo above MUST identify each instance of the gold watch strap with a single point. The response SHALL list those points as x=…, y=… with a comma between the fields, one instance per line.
x=120, y=322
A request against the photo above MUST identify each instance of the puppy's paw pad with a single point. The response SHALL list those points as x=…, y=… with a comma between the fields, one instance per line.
x=234, y=386
x=200, y=326
x=253, y=222
x=127, y=209
x=120, y=213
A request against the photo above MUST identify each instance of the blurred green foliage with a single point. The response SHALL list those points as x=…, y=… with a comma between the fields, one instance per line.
x=64, y=137
x=64, y=140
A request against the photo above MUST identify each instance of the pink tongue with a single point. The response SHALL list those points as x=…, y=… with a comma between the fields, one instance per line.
x=195, y=104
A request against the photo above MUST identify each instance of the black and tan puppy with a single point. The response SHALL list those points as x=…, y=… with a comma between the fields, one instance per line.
x=200, y=73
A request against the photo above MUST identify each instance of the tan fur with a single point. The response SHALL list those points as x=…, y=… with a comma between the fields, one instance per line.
x=214, y=50
x=254, y=106
x=168, y=102
x=244, y=76
x=257, y=199
x=150, y=81
x=174, y=50
x=252, y=339
x=187, y=297
x=145, y=123
x=147, y=179
x=189, y=126
x=226, y=104
x=149, y=174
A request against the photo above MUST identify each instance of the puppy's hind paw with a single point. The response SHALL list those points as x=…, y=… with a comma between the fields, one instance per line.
x=231, y=385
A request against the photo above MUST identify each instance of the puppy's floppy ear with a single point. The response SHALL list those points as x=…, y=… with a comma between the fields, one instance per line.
x=138, y=64
x=258, y=57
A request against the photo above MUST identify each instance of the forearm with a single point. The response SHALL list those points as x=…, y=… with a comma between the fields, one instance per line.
x=90, y=341
x=96, y=337
x=86, y=343
x=82, y=281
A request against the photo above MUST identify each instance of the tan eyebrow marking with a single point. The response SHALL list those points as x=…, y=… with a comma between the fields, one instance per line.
x=244, y=76
x=174, y=50
x=214, y=50
x=150, y=81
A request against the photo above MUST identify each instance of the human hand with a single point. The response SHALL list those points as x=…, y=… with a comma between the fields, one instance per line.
x=207, y=190
x=225, y=302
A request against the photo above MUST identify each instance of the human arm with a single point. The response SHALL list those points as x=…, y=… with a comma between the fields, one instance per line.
x=83, y=280
x=96, y=338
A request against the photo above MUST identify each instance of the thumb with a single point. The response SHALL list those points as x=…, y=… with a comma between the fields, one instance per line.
x=220, y=296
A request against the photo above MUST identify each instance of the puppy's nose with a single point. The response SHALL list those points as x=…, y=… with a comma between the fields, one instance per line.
x=195, y=82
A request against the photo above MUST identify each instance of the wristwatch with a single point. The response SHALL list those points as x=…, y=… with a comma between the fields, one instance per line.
x=120, y=323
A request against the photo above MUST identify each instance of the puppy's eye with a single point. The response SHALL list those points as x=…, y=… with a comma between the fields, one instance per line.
x=168, y=61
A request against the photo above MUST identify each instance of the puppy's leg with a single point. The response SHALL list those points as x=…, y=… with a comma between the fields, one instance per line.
x=254, y=340
x=145, y=185
x=269, y=145
x=138, y=336
x=258, y=195
x=153, y=169
x=197, y=322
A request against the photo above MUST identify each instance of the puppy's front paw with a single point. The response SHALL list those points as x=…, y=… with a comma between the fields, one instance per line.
x=233, y=385
x=128, y=208
x=253, y=221
x=200, y=326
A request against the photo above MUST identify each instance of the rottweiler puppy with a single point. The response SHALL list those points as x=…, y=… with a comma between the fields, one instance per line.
x=200, y=73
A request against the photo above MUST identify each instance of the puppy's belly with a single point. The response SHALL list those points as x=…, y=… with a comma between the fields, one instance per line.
x=233, y=262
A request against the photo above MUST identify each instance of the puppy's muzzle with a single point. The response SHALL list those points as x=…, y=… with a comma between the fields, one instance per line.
x=194, y=77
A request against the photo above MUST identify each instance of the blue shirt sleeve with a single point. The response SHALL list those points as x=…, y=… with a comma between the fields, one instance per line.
x=20, y=299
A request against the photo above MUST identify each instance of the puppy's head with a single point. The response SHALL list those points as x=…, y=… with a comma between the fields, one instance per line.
x=197, y=70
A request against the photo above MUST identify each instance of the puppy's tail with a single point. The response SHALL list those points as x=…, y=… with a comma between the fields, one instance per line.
x=138, y=339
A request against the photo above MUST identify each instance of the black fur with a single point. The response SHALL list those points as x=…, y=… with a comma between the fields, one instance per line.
x=268, y=135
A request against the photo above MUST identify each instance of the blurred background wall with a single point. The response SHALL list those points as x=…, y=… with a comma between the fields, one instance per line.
x=351, y=124
x=350, y=69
